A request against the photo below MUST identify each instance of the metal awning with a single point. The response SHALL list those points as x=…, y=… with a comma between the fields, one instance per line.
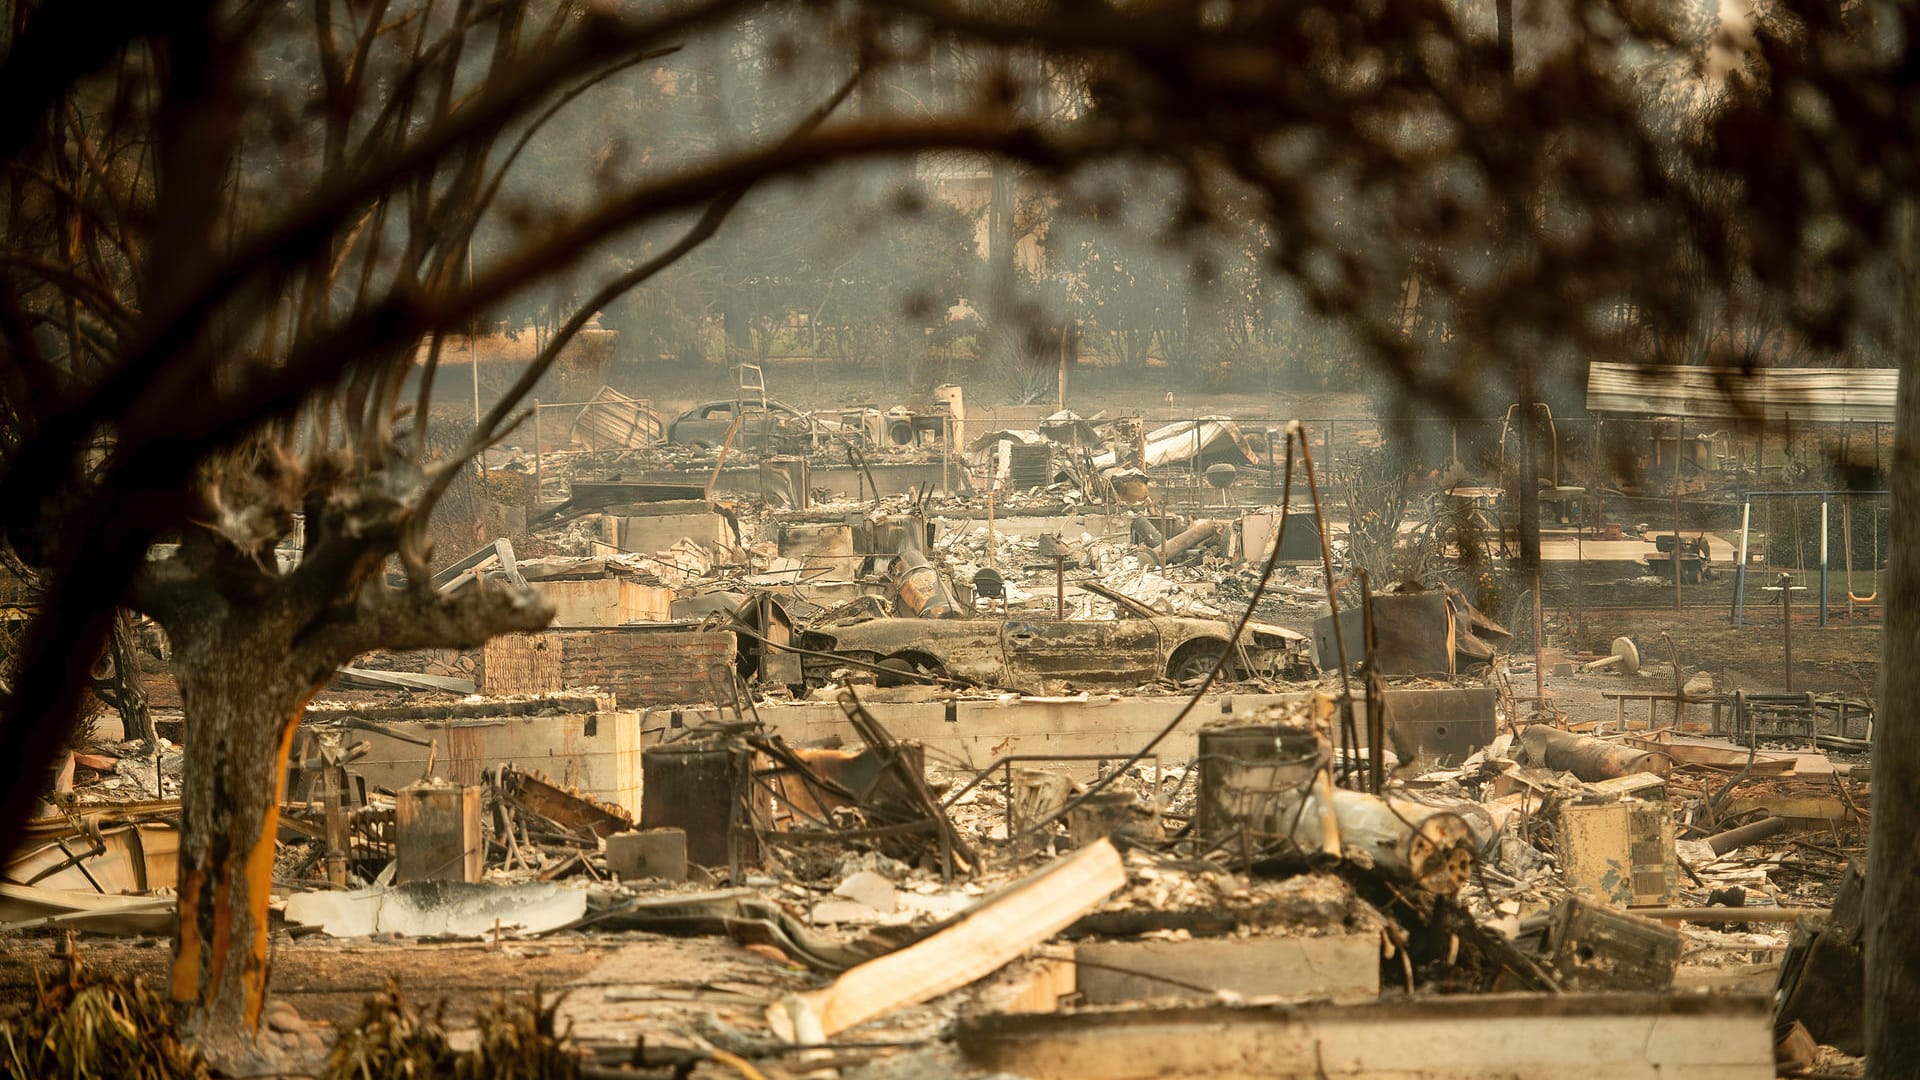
x=1813, y=395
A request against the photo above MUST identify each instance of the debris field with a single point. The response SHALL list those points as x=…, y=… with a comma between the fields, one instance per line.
x=873, y=744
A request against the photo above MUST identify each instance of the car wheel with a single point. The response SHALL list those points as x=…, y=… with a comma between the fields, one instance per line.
x=1193, y=662
x=909, y=668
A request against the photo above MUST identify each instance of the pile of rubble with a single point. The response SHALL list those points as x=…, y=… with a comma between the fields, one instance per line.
x=1293, y=869
x=1259, y=871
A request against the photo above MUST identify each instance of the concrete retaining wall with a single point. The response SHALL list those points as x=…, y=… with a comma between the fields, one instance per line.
x=639, y=665
x=607, y=601
x=979, y=731
x=663, y=525
x=583, y=741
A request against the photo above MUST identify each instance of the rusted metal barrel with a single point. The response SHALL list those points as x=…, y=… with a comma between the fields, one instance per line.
x=1261, y=783
x=1252, y=778
x=1589, y=758
x=920, y=590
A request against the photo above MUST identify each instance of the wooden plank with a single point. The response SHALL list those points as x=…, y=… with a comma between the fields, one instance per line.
x=987, y=938
x=1621, y=1036
x=1812, y=763
x=410, y=681
x=1035, y=985
x=1810, y=808
x=1730, y=914
x=1636, y=785
x=1755, y=978
x=1344, y=967
x=1719, y=757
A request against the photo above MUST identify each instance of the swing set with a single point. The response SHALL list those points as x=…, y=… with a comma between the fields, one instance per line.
x=1846, y=544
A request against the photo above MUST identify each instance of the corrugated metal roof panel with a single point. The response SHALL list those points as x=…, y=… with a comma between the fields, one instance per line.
x=1814, y=395
x=613, y=421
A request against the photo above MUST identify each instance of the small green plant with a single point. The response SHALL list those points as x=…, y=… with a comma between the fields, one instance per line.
x=391, y=1039
x=86, y=1027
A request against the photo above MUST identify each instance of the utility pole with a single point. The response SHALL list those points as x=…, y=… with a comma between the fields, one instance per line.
x=1679, y=433
x=473, y=362
x=1528, y=493
x=1060, y=388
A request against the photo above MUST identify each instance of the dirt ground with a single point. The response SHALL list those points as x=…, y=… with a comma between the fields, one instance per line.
x=1841, y=659
x=619, y=990
x=618, y=987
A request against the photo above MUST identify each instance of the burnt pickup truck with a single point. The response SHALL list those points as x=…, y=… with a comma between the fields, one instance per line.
x=1036, y=655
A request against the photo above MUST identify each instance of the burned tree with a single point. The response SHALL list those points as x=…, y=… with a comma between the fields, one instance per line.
x=281, y=379
x=214, y=285
x=235, y=242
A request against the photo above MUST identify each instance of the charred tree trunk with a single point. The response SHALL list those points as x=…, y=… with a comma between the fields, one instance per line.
x=1893, y=889
x=130, y=691
x=243, y=699
x=1001, y=332
x=250, y=647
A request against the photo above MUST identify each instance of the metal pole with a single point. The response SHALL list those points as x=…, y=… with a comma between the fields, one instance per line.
x=1599, y=485
x=1529, y=495
x=1846, y=548
x=1197, y=447
x=1060, y=391
x=1059, y=583
x=1823, y=559
x=536, y=454
x=1786, y=622
x=1740, y=568
x=991, y=484
x=1679, y=432
x=473, y=362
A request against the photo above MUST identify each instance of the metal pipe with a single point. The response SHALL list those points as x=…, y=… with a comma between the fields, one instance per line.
x=1733, y=839
x=1199, y=532
x=1731, y=914
x=1774, y=494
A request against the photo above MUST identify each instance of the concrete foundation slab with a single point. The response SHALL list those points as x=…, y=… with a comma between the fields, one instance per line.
x=1513, y=1036
x=1341, y=968
x=439, y=909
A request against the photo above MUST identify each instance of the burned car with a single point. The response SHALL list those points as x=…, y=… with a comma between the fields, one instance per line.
x=1027, y=653
x=784, y=426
